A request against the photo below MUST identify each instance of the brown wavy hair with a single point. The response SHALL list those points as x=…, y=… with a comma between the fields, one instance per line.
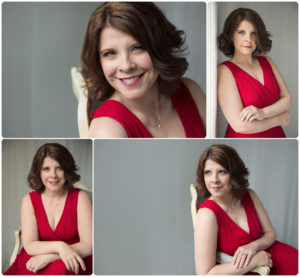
x=147, y=24
x=228, y=158
x=59, y=153
x=263, y=41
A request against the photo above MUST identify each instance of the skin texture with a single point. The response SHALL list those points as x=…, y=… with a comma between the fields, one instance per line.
x=123, y=58
x=249, y=120
x=53, y=197
x=206, y=228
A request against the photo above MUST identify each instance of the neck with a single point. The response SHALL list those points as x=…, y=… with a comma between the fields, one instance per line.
x=227, y=203
x=147, y=107
x=243, y=59
x=55, y=194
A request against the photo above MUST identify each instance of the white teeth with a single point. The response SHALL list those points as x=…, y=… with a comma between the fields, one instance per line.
x=130, y=80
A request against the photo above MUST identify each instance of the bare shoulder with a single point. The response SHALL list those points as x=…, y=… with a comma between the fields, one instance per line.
x=83, y=198
x=224, y=72
x=254, y=196
x=106, y=127
x=26, y=202
x=26, y=206
x=206, y=216
x=272, y=63
x=198, y=96
x=194, y=88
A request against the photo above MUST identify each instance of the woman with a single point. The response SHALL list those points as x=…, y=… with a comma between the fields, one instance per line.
x=56, y=219
x=132, y=59
x=251, y=91
x=234, y=221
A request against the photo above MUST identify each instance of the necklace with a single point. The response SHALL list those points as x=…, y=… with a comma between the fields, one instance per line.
x=147, y=122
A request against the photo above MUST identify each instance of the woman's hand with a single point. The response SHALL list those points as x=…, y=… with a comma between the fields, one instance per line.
x=243, y=255
x=251, y=113
x=262, y=258
x=38, y=262
x=71, y=258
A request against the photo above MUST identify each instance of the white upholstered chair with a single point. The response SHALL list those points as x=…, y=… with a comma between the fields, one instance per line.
x=18, y=232
x=221, y=257
x=81, y=94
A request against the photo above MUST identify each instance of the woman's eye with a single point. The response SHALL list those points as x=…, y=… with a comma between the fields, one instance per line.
x=240, y=32
x=45, y=168
x=207, y=172
x=138, y=47
x=223, y=171
x=108, y=53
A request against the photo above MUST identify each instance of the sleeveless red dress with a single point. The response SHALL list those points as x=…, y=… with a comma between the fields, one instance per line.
x=231, y=236
x=66, y=230
x=252, y=92
x=182, y=101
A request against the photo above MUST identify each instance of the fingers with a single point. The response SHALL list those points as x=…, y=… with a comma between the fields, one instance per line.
x=31, y=267
x=81, y=262
x=248, y=114
x=74, y=263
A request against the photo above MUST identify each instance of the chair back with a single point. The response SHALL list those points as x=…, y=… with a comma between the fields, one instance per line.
x=81, y=94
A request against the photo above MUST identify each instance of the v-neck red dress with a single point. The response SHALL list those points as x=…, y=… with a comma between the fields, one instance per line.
x=182, y=101
x=254, y=93
x=231, y=236
x=66, y=230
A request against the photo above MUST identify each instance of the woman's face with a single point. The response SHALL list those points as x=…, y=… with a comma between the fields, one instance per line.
x=217, y=179
x=126, y=64
x=52, y=175
x=244, y=38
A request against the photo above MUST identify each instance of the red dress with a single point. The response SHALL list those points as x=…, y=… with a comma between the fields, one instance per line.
x=182, y=101
x=231, y=236
x=252, y=92
x=66, y=230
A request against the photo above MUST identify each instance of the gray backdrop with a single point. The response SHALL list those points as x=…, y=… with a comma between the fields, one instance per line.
x=40, y=44
x=17, y=156
x=142, y=214
x=281, y=19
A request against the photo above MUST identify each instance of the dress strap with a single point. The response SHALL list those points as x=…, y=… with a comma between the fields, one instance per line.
x=117, y=111
x=187, y=111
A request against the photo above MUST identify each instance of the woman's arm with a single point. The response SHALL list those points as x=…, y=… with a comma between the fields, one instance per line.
x=232, y=106
x=265, y=241
x=30, y=235
x=280, y=106
x=199, y=98
x=269, y=235
x=205, y=237
x=106, y=127
x=84, y=218
x=70, y=254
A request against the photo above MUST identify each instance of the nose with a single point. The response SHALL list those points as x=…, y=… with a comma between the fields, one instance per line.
x=215, y=177
x=247, y=37
x=53, y=173
x=126, y=63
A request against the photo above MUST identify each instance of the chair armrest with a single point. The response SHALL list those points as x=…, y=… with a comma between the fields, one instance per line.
x=17, y=234
x=223, y=258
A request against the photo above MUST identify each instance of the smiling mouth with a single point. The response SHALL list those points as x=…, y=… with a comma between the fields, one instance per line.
x=216, y=188
x=54, y=182
x=131, y=81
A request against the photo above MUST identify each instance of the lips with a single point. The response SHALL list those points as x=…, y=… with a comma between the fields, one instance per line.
x=131, y=81
x=53, y=183
x=216, y=188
